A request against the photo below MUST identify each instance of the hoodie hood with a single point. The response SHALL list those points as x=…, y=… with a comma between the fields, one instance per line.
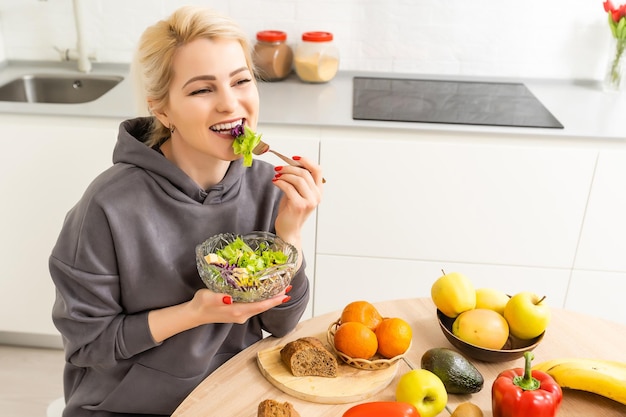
x=131, y=149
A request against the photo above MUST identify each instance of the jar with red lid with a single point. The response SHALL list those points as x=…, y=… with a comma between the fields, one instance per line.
x=316, y=59
x=272, y=57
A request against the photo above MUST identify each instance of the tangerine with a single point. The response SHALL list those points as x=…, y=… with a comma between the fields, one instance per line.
x=394, y=337
x=356, y=340
x=362, y=312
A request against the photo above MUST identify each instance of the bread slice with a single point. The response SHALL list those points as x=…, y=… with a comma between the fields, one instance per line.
x=272, y=408
x=308, y=356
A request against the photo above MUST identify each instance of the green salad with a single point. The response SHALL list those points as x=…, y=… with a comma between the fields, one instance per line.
x=244, y=143
x=239, y=263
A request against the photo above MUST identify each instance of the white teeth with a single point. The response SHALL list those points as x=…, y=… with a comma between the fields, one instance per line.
x=226, y=126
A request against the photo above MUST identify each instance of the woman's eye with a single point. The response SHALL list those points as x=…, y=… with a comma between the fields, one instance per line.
x=201, y=91
x=243, y=81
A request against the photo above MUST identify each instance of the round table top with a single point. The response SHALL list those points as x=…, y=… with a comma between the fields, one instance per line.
x=237, y=387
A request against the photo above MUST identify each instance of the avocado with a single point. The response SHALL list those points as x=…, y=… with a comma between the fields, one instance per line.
x=457, y=373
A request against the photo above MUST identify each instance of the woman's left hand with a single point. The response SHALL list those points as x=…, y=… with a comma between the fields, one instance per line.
x=303, y=193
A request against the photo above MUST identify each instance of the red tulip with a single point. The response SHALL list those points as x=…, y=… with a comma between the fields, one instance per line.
x=616, y=12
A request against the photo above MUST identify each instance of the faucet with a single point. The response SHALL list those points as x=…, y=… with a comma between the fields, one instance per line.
x=84, y=64
x=80, y=54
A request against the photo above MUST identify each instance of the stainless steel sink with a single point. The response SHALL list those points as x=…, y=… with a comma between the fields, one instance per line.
x=68, y=89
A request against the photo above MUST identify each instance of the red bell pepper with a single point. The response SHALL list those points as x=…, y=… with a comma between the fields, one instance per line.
x=520, y=393
x=382, y=409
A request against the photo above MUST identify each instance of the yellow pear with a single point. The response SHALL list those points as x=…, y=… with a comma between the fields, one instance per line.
x=453, y=293
x=491, y=299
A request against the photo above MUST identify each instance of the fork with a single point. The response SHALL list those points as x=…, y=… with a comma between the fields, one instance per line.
x=263, y=147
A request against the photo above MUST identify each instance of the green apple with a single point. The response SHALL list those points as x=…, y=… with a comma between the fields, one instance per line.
x=424, y=390
x=491, y=299
x=527, y=314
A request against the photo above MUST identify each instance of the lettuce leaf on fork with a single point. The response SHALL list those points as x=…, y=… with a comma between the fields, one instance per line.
x=244, y=143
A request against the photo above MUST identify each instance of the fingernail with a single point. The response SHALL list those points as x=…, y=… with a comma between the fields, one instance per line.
x=296, y=158
x=289, y=287
x=227, y=299
x=287, y=298
x=278, y=168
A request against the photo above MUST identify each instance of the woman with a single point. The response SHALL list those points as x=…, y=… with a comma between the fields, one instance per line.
x=139, y=329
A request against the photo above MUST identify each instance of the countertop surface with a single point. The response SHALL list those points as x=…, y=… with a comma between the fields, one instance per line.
x=584, y=109
x=563, y=339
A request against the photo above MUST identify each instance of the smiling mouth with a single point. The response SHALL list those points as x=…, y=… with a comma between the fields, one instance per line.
x=226, y=128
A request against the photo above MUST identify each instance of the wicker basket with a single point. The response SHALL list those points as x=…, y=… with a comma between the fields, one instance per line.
x=376, y=363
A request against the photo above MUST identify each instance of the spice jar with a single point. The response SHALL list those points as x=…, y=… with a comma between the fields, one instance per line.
x=316, y=58
x=272, y=56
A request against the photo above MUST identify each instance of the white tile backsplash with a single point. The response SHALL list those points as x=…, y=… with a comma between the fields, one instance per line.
x=531, y=38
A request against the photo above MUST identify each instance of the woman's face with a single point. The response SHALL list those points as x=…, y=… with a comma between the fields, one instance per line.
x=212, y=91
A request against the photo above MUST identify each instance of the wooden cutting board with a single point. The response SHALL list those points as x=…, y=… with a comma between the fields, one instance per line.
x=350, y=385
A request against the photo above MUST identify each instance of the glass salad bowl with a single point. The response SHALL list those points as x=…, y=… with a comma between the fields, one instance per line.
x=249, y=268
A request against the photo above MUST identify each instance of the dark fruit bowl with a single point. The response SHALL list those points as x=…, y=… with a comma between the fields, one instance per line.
x=513, y=349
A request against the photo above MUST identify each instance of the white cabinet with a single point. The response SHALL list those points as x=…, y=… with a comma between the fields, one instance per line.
x=603, y=239
x=341, y=279
x=453, y=201
x=599, y=277
x=598, y=293
x=305, y=142
x=45, y=165
x=398, y=207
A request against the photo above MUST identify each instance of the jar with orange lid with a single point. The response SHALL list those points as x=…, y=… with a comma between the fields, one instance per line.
x=272, y=57
x=316, y=59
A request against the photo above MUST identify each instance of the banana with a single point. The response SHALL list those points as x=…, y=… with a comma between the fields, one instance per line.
x=602, y=377
x=544, y=366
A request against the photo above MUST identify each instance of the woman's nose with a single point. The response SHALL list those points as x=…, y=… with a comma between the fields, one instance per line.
x=227, y=101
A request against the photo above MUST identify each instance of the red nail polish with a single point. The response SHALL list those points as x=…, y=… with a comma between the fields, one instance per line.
x=287, y=298
x=289, y=287
x=278, y=168
x=296, y=158
x=227, y=299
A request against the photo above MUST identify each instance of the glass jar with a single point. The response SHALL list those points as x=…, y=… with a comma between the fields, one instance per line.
x=615, y=79
x=316, y=59
x=272, y=56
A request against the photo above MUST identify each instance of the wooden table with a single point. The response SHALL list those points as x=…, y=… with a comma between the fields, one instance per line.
x=236, y=388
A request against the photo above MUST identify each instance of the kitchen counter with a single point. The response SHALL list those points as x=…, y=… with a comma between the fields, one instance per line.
x=117, y=103
x=581, y=106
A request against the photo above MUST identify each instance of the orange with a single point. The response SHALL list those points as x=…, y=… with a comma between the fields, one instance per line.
x=481, y=327
x=361, y=312
x=356, y=340
x=394, y=337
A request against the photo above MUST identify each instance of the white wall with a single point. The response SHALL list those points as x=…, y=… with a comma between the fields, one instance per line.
x=530, y=38
x=3, y=56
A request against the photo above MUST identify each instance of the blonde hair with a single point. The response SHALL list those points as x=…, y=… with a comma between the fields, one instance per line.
x=152, y=65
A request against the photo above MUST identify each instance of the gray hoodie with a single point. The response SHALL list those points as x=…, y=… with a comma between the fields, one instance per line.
x=126, y=248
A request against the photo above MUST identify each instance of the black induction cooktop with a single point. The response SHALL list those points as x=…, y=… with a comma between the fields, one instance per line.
x=452, y=102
